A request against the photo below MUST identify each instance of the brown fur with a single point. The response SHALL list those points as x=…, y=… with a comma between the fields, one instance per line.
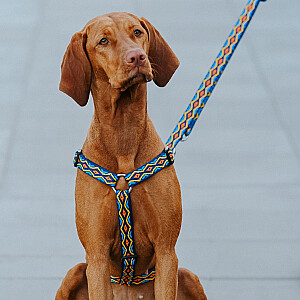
x=121, y=138
x=74, y=287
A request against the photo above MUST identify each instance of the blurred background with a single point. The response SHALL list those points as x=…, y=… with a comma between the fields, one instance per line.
x=239, y=171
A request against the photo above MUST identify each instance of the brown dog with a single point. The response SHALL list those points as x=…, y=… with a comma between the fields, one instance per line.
x=113, y=57
x=74, y=287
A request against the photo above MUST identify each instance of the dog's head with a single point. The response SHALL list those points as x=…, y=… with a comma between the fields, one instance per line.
x=118, y=48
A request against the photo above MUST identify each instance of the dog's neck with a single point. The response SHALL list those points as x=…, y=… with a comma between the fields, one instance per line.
x=115, y=108
x=120, y=126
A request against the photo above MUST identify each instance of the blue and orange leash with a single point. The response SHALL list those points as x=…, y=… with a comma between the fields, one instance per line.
x=166, y=157
x=193, y=111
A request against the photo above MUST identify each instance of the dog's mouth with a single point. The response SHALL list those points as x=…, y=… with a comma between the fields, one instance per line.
x=135, y=76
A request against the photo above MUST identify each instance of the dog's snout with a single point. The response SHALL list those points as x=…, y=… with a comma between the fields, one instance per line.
x=135, y=57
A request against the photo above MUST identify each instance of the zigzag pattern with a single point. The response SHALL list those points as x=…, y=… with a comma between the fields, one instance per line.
x=152, y=167
x=136, y=280
x=95, y=171
x=164, y=159
x=126, y=233
x=190, y=116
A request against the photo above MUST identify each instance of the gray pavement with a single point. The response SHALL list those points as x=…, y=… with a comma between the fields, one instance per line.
x=239, y=171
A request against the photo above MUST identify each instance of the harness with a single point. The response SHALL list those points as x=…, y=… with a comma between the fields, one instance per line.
x=163, y=160
x=166, y=157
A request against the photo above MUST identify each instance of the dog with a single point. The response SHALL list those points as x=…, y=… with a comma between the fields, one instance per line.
x=74, y=287
x=113, y=57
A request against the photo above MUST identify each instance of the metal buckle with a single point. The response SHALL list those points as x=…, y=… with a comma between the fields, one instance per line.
x=77, y=154
x=174, y=152
x=184, y=137
x=168, y=155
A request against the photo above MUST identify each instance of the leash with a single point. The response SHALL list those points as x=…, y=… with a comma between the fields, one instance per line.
x=166, y=157
x=193, y=111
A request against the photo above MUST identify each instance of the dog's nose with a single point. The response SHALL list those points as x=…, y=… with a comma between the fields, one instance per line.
x=135, y=57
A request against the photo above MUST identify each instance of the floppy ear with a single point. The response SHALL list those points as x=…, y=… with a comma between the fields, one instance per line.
x=162, y=58
x=76, y=70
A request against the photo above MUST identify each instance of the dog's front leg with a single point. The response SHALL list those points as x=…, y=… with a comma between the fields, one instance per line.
x=166, y=274
x=98, y=277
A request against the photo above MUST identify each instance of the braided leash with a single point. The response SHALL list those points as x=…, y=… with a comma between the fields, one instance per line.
x=193, y=111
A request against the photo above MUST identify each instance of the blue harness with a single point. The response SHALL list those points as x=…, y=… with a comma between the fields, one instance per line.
x=166, y=157
x=163, y=160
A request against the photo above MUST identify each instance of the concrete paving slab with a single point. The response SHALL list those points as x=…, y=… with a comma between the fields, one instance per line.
x=242, y=213
x=245, y=259
x=237, y=169
x=37, y=267
x=251, y=289
x=30, y=289
x=36, y=185
x=28, y=227
x=18, y=13
x=4, y=141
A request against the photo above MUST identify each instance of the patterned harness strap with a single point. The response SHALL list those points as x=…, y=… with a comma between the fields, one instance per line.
x=166, y=157
x=127, y=243
x=163, y=160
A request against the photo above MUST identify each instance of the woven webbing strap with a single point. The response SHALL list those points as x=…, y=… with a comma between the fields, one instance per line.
x=127, y=242
x=190, y=116
x=161, y=161
x=129, y=257
x=95, y=171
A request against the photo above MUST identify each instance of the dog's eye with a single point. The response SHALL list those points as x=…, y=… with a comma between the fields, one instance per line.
x=103, y=41
x=137, y=32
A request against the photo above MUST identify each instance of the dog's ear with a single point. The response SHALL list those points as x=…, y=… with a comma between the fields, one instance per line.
x=163, y=60
x=76, y=70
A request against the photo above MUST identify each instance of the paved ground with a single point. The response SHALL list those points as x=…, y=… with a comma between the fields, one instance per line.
x=239, y=171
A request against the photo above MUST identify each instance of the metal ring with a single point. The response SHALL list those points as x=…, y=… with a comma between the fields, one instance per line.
x=121, y=175
x=184, y=137
x=171, y=162
x=173, y=150
x=114, y=189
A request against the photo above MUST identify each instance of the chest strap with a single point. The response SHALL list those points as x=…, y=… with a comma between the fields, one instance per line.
x=129, y=257
x=161, y=161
